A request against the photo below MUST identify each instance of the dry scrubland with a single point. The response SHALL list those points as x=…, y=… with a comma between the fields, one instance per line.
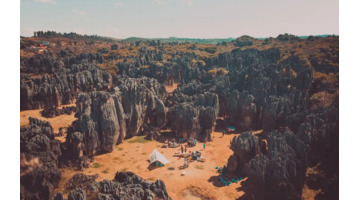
x=201, y=180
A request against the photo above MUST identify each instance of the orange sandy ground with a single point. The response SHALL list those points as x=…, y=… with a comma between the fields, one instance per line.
x=56, y=122
x=134, y=157
x=171, y=88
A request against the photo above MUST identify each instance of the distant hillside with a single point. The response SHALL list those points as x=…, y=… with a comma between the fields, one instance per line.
x=176, y=39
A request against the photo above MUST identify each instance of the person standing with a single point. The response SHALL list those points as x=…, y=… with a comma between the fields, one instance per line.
x=223, y=133
x=182, y=149
x=204, y=145
x=185, y=149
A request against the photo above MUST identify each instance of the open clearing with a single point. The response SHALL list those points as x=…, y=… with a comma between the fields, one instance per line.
x=200, y=182
x=133, y=156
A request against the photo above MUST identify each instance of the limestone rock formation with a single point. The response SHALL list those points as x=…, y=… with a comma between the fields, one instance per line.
x=39, y=152
x=54, y=111
x=195, y=117
x=280, y=174
x=127, y=185
x=245, y=147
x=106, y=118
x=61, y=88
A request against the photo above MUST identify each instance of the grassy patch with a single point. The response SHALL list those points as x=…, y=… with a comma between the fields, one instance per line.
x=124, y=169
x=138, y=139
x=209, y=145
x=151, y=179
x=199, y=167
x=105, y=171
x=120, y=149
x=97, y=165
x=143, y=153
x=218, y=71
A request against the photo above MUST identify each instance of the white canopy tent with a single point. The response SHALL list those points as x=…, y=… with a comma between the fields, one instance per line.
x=157, y=156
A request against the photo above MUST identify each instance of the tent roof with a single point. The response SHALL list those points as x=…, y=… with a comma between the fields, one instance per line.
x=157, y=156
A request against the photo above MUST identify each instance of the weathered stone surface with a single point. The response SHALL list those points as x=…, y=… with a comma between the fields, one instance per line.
x=127, y=185
x=39, y=153
x=81, y=181
x=245, y=147
x=281, y=173
x=106, y=118
x=241, y=109
x=195, y=117
x=77, y=194
x=54, y=111
x=61, y=88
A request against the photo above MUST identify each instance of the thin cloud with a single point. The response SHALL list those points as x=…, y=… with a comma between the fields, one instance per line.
x=161, y=2
x=79, y=12
x=45, y=1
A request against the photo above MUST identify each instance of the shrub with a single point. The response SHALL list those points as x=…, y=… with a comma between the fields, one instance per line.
x=218, y=71
x=96, y=165
x=138, y=139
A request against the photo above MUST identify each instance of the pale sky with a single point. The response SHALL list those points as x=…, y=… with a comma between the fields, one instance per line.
x=181, y=18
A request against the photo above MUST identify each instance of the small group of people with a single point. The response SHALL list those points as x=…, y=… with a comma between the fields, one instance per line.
x=182, y=149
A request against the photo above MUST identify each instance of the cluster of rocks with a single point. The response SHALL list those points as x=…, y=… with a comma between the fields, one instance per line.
x=195, y=116
x=126, y=185
x=106, y=118
x=54, y=111
x=276, y=166
x=56, y=83
x=277, y=172
x=39, y=153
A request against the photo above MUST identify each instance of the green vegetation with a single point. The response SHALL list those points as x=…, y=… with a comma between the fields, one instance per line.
x=201, y=167
x=218, y=71
x=138, y=139
x=120, y=149
x=97, y=165
x=105, y=171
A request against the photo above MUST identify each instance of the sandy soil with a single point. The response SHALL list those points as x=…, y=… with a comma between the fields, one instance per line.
x=56, y=122
x=307, y=193
x=198, y=183
x=171, y=88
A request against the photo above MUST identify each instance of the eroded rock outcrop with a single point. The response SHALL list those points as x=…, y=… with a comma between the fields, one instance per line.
x=61, y=88
x=39, y=152
x=280, y=174
x=54, y=111
x=106, y=118
x=245, y=147
x=195, y=117
x=127, y=185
